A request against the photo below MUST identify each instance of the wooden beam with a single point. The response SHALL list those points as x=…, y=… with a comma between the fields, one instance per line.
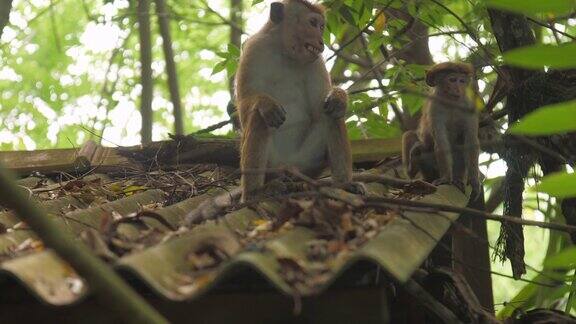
x=187, y=150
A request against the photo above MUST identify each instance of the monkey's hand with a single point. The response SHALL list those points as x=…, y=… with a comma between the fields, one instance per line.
x=273, y=115
x=336, y=103
x=460, y=185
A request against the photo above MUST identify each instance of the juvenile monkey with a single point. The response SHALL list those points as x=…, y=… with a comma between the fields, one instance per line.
x=289, y=113
x=445, y=146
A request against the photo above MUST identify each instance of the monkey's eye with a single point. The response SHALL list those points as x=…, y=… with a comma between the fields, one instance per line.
x=314, y=22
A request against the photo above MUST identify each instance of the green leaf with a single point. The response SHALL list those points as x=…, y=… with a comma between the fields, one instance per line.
x=233, y=50
x=560, y=185
x=219, y=67
x=531, y=7
x=346, y=13
x=564, y=259
x=255, y=2
x=551, y=119
x=537, y=56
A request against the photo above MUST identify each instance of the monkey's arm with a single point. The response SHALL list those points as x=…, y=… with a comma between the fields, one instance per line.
x=259, y=114
x=472, y=151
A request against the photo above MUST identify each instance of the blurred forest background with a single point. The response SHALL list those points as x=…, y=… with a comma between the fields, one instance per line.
x=75, y=70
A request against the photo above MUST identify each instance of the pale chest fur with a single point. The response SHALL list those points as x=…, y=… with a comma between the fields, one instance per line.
x=301, y=90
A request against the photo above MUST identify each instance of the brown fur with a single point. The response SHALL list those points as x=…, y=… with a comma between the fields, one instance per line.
x=437, y=70
x=289, y=114
x=445, y=147
x=318, y=8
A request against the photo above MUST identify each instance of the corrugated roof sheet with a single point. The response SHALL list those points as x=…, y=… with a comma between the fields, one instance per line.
x=130, y=219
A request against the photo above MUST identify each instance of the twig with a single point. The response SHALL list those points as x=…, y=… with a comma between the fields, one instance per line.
x=222, y=18
x=373, y=201
x=551, y=27
x=385, y=180
x=379, y=78
x=534, y=144
x=362, y=31
x=214, y=127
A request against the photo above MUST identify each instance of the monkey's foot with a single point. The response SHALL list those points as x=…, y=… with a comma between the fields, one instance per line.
x=460, y=185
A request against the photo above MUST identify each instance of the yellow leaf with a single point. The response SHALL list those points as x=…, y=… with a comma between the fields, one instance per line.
x=380, y=22
x=133, y=189
x=260, y=222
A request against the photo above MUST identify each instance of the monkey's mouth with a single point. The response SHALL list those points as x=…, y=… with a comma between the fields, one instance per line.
x=313, y=49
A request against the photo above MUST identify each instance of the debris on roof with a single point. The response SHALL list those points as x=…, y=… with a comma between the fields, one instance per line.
x=132, y=217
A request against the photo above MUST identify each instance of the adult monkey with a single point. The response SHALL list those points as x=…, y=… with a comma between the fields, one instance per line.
x=289, y=112
x=448, y=129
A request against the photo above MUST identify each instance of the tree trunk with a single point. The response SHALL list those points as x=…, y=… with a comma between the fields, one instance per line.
x=235, y=34
x=531, y=89
x=146, y=70
x=5, y=7
x=163, y=21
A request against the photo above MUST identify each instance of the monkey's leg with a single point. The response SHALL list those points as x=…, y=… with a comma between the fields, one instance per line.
x=472, y=145
x=459, y=168
x=411, y=149
x=254, y=155
x=427, y=164
x=339, y=151
x=443, y=153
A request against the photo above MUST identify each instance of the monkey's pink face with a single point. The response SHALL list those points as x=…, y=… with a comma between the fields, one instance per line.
x=453, y=85
x=304, y=42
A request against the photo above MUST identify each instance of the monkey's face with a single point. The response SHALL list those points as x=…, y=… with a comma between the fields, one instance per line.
x=302, y=39
x=453, y=85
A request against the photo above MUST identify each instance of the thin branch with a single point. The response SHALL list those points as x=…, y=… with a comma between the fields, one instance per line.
x=222, y=18
x=214, y=127
x=542, y=148
x=383, y=201
x=551, y=27
x=164, y=25
x=362, y=31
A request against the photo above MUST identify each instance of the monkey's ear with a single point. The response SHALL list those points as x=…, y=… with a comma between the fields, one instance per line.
x=431, y=78
x=276, y=12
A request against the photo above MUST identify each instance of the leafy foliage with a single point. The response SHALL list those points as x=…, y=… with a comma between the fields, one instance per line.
x=532, y=7
x=561, y=185
x=553, y=119
x=537, y=56
x=69, y=72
